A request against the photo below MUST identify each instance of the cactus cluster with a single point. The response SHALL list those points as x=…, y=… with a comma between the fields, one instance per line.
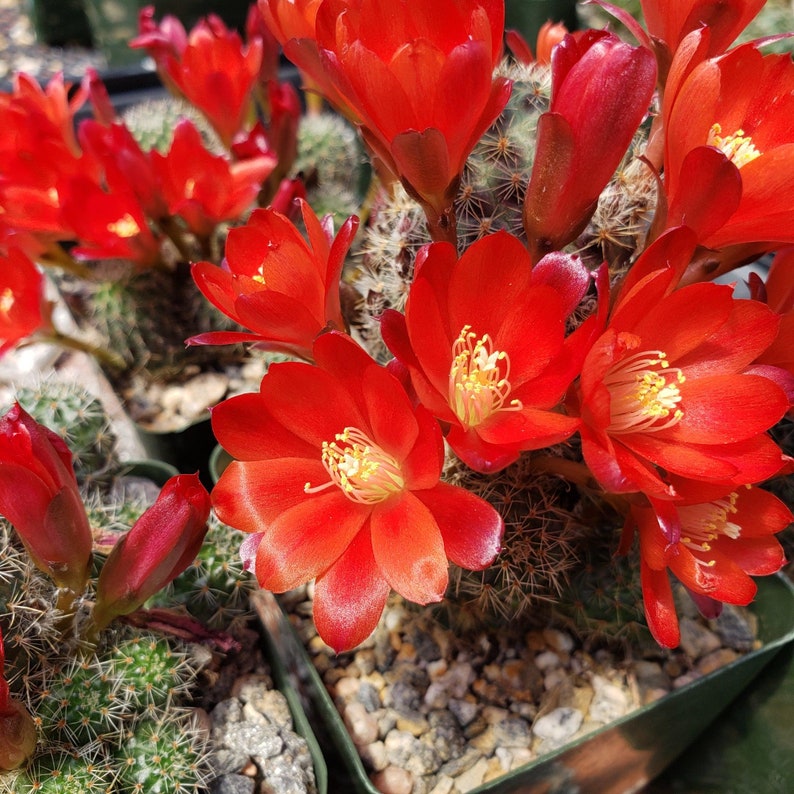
x=332, y=162
x=113, y=716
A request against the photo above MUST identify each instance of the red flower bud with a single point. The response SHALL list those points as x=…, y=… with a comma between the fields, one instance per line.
x=17, y=729
x=160, y=545
x=39, y=496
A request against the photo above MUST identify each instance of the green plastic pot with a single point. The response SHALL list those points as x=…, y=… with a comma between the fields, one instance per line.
x=616, y=759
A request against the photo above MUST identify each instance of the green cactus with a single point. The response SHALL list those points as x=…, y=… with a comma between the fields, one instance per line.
x=215, y=588
x=81, y=421
x=152, y=124
x=62, y=772
x=333, y=164
x=163, y=757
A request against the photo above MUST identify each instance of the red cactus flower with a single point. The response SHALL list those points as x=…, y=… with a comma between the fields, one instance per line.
x=17, y=728
x=549, y=35
x=728, y=161
x=725, y=538
x=211, y=67
x=160, y=545
x=108, y=225
x=666, y=388
x=40, y=498
x=669, y=21
x=23, y=308
x=601, y=88
x=404, y=68
x=292, y=22
x=485, y=347
x=275, y=283
x=337, y=478
x=205, y=189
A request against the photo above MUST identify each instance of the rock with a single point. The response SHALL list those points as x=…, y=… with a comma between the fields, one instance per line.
x=465, y=711
x=715, y=660
x=362, y=726
x=472, y=777
x=697, y=640
x=254, y=740
x=393, y=780
x=232, y=784
x=512, y=732
x=558, y=726
x=610, y=702
x=374, y=756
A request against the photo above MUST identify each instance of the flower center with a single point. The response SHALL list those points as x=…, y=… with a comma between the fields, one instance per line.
x=479, y=382
x=126, y=226
x=644, y=393
x=7, y=301
x=704, y=523
x=739, y=149
x=365, y=473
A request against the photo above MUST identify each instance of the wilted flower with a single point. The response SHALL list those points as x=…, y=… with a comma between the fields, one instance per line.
x=336, y=477
x=160, y=545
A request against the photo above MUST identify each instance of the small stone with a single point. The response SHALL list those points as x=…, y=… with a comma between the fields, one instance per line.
x=361, y=725
x=719, y=658
x=412, y=722
x=232, y=784
x=444, y=785
x=558, y=725
x=374, y=756
x=559, y=641
x=465, y=711
x=512, y=732
x=472, y=777
x=393, y=780
x=252, y=739
x=521, y=756
x=436, y=696
x=547, y=661
x=696, y=639
x=610, y=702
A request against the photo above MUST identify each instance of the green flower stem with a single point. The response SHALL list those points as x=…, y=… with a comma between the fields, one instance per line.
x=176, y=235
x=57, y=256
x=105, y=357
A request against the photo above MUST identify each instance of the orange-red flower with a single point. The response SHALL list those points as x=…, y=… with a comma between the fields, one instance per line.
x=665, y=389
x=292, y=22
x=549, y=35
x=669, y=21
x=729, y=149
x=724, y=538
x=336, y=477
x=210, y=66
x=601, y=88
x=485, y=345
x=286, y=290
x=405, y=69
x=205, y=189
x=23, y=308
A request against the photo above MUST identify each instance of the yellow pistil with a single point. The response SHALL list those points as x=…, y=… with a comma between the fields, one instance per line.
x=644, y=393
x=705, y=523
x=365, y=473
x=739, y=149
x=479, y=382
x=259, y=276
x=126, y=226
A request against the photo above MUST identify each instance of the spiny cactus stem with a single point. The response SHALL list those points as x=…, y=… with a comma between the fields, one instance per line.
x=576, y=473
x=175, y=234
x=105, y=357
x=57, y=256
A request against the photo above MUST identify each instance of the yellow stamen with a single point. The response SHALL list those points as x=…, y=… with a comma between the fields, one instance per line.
x=7, y=301
x=479, y=382
x=739, y=149
x=644, y=393
x=705, y=523
x=365, y=473
x=126, y=226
